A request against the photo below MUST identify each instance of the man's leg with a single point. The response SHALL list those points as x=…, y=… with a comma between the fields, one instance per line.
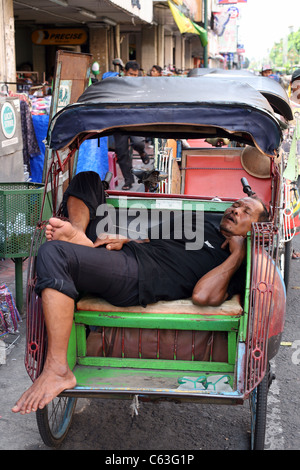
x=73, y=231
x=138, y=144
x=124, y=159
x=56, y=376
x=80, y=203
x=58, y=308
x=63, y=270
x=86, y=187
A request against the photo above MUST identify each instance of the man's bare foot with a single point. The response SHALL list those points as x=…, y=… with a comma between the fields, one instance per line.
x=58, y=229
x=46, y=387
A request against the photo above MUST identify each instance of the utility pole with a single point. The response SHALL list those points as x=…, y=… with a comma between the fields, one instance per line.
x=205, y=54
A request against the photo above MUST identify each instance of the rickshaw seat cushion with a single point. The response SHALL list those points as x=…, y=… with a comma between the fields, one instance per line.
x=230, y=307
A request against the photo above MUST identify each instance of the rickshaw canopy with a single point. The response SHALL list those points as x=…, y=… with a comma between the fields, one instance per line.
x=168, y=107
x=268, y=87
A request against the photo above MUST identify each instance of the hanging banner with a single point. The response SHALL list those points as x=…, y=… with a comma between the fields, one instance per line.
x=225, y=26
x=186, y=25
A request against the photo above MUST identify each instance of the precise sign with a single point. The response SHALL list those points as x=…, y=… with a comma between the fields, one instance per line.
x=52, y=37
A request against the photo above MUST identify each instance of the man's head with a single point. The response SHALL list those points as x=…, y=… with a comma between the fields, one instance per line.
x=295, y=85
x=296, y=75
x=132, y=69
x=156, y=71
x=266, y=70
x=238, y=218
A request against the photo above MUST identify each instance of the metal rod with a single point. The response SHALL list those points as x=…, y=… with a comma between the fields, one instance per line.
x=205, y=52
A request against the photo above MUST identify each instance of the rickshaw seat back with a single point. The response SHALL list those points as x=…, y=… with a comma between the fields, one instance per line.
x=217, y=173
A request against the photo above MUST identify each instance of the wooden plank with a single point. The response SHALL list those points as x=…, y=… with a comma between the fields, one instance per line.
x=176, y=178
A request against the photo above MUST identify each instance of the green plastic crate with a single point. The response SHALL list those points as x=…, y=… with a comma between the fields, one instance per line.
x=20, y=207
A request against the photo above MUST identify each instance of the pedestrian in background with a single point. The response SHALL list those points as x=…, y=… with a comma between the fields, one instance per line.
x=156, y=71
x=125, y=144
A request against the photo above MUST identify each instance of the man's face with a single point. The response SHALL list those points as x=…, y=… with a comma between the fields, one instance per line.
x=131, y=73
x=267, y=73
x=154, y=72
x=238, y=218
x=295, y=90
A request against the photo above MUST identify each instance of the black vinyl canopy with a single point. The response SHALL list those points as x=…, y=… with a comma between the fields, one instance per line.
x=268, y=87
x=168, y=107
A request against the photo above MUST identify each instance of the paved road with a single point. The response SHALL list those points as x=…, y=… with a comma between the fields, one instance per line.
x=283, y=401
x=107, y=424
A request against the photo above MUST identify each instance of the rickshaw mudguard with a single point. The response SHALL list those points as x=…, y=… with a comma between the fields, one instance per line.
x=266, y=303
x=278, y=316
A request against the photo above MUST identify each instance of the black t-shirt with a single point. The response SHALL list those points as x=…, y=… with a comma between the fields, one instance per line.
x=167, y=271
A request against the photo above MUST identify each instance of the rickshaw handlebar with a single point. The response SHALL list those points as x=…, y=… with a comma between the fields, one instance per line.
x=246, y=187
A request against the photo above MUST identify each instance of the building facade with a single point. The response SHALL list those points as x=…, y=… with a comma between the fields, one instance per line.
x=143, y=30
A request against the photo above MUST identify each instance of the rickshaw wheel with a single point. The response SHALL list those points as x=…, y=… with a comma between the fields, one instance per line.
x=55, y=419
x=258, y=407
x=285, y=256
x=287, y=262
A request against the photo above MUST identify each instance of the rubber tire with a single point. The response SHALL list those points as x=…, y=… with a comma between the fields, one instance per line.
x=258, y=425
x=54, y=437
x=287, y=262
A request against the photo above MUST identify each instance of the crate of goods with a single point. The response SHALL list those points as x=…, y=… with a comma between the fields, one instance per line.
x=20, y=207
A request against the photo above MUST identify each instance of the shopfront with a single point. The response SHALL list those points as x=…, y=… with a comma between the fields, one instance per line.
x=36, y=50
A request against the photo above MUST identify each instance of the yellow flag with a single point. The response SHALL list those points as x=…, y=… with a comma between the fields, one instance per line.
x=186, y=25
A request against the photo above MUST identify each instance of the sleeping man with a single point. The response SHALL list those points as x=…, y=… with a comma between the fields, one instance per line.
x=126, y=272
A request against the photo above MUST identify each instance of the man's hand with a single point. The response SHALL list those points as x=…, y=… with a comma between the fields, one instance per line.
x=211, y=289
x=112, y=241
x=236, y=244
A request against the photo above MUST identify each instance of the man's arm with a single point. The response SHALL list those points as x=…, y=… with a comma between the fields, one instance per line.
x=211, y=289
